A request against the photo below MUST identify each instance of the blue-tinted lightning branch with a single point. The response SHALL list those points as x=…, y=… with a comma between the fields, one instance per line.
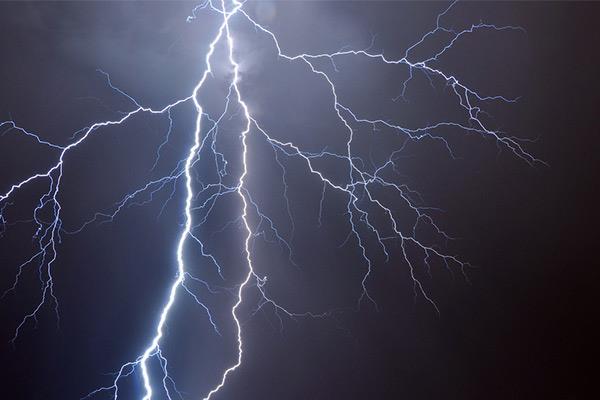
x=361, y=187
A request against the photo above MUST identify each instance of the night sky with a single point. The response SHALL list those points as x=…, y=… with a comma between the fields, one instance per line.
x=516, y=324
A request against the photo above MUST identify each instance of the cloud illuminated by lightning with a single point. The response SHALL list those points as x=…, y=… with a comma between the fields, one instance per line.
x=360, y=186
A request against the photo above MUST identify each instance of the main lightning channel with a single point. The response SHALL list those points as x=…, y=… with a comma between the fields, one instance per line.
x=154, y=347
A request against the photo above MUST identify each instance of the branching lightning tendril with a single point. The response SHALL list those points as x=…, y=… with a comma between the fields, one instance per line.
x=359, y=188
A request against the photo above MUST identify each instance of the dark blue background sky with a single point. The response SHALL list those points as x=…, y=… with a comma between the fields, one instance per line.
x=519, y=330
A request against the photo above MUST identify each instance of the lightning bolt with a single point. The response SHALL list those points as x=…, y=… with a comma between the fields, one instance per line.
x=361, y=187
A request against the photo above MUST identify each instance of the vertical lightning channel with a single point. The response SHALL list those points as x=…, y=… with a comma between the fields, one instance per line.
x=240, y=190
x=154, y=347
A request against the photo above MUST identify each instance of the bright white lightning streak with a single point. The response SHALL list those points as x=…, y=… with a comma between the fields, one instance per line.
x=154, y=346
x=358, y=178
x=244, y=134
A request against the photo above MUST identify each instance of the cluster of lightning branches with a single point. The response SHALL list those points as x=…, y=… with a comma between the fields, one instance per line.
x=359, y=188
